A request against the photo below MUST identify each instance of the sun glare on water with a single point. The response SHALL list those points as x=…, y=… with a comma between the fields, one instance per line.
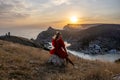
x=74, y=19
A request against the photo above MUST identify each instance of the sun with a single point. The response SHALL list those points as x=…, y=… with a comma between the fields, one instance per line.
x=74, y=19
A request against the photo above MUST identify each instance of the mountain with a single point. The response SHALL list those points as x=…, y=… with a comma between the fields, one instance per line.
x=104, y=35
x=78, y=26
x=45, y=36
x=20, y=62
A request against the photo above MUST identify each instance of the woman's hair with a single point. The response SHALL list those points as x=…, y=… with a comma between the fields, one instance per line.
x=57, y=35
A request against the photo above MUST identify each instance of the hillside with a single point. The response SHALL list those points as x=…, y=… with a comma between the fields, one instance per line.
x=21, y=40
x=19, y=62
x=104, y=35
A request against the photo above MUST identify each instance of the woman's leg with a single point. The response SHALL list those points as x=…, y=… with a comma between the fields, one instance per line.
x=68, y=60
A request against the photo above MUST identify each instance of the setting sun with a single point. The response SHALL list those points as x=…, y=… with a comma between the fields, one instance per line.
x=74, y=19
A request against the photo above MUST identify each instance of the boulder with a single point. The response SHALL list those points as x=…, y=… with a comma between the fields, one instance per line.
x=55, y=60
x=113, y=51
x=117, y=61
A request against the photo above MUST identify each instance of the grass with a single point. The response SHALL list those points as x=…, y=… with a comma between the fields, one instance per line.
x=18, y=62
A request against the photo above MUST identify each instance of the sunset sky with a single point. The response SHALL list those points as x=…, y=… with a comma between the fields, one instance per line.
x=37, y=13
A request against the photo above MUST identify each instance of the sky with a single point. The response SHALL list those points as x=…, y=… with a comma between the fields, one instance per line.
x=39, y=13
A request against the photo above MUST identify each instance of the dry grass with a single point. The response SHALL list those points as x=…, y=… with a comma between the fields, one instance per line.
x=18, y=62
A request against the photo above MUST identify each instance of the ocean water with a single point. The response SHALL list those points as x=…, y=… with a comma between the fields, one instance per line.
x=105, y=58
x=23, y=32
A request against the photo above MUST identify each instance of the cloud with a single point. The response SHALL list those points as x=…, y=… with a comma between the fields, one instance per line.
x=39, y=11
x=53, y=3
x=5, y=7
x=12, y=9
x=60, y=2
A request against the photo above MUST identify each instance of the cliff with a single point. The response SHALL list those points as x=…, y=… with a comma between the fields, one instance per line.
x=104, y=35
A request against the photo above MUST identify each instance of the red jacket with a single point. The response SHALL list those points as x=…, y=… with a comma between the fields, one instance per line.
x=58, y=48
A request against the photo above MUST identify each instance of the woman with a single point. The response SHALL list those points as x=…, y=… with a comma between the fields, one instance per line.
x=59, y=47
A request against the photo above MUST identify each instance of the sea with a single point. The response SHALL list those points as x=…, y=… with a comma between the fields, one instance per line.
x=23, y=32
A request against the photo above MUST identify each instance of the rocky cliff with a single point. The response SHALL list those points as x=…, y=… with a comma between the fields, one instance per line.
x=104, y=35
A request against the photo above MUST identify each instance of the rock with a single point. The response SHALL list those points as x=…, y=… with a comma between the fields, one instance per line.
x=117, y=61
x=50, y=28
x=116, y=77
x=37, y=69
x=32, y=62
x=112, y=51
x=94, y=48
x=76, y=67
x=55, y=60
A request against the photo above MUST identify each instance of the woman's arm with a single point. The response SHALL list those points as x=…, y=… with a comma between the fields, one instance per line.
x=65, y=49
x=63, y=45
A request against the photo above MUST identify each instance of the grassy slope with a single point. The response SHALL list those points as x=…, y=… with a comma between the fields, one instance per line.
x=18, y=62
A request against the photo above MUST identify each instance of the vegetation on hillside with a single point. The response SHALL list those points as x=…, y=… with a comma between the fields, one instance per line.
x=18, y=62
